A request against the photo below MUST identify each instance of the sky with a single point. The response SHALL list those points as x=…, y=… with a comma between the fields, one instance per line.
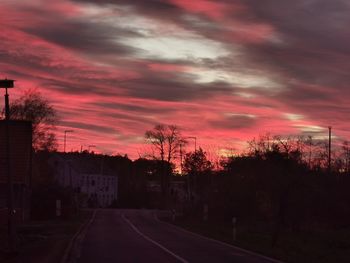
x=224, y=71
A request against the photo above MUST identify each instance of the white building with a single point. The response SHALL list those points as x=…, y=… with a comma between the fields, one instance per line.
x=102, y=189
x=87, y=177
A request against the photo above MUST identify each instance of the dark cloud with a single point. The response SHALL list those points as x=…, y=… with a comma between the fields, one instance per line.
x=317, y=23
x=87, y=37
x=234, y=122
x=87, y=126
x=158, y=8
x=313, y=34
x=311, y=55
x=305, y=49
x=135, y=108
x=173, y=89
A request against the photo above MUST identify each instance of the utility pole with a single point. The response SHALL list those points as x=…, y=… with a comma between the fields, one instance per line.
x=7, y=83
x=329, y=149
x=310, y=150
x=65, y=139
x=181, y=158
x=188, y=177
x=347, y=159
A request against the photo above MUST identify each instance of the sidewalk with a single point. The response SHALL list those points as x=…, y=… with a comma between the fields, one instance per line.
x=46, y=241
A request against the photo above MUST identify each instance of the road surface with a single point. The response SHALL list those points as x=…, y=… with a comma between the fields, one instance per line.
x=137, y=236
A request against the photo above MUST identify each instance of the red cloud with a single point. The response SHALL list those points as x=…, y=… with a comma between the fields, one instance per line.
x=109, y=96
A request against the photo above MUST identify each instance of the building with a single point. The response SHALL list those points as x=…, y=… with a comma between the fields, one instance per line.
x=102, y=190
x=86, y=175
x=17, y=161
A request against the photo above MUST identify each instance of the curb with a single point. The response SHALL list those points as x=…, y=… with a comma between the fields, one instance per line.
x=72, y=252
x=217, y=241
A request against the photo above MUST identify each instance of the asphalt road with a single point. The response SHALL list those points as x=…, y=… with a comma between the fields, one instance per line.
x=137, y=236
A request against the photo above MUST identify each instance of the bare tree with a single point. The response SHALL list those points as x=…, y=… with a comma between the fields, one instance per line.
x=165, y=141
x=31, y=106
x=344, y=157
x=260, y=145
x=346, y=153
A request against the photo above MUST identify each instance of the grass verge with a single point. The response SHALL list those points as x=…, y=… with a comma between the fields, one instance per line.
x=301, y=247
x=45, y=241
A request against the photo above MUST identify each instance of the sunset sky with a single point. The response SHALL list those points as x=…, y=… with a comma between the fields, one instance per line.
x=224, y=70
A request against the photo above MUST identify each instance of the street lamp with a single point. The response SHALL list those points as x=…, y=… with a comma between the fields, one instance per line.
x=65, y=139
x=329, y=149
x=6, y=84
x=188, y=177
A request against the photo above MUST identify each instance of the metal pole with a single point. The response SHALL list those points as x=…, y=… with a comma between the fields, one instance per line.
x=329, y=149
x=181, y=158
x=64, y=144
x=7, y=106
x=65, y=139
x=10, y=208
x=234, y=229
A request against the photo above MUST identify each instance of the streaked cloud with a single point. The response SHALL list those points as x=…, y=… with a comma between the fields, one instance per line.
x=225, y=70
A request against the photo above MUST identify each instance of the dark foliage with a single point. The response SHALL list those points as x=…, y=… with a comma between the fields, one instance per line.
x=31, y=106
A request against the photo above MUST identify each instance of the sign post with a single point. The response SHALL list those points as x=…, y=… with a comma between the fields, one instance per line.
x=205, y=212
x=6, y=84
x=234, y=229
x=58, y=208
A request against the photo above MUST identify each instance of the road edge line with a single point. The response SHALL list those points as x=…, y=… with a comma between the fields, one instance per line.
x=67, y=253
x=218, y=241
x=152, y=241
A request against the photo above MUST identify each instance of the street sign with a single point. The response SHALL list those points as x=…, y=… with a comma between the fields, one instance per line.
x=20, y=138
x=6, y=83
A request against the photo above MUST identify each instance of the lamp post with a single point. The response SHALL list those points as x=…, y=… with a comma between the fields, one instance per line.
x=6, y=84
x=188, y=177
x=329, y=149
x=181, y=168
x=65, y=139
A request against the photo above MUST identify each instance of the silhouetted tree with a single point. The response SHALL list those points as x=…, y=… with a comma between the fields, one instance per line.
x=197, y=162
x=342, y=159
x=271, y=181
x=165, y=141
x=32, y=106
x=198, y=168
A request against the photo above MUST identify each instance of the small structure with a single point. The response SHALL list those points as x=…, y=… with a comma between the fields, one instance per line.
x=19, y=162
x=102, y=190
x=99, y=185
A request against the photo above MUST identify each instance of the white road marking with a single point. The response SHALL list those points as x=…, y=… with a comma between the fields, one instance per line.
x=152, y=241
x=80, y=234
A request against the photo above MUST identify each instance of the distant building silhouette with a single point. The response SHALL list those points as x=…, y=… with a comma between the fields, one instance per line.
x=89, y=177
x=20, y=166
